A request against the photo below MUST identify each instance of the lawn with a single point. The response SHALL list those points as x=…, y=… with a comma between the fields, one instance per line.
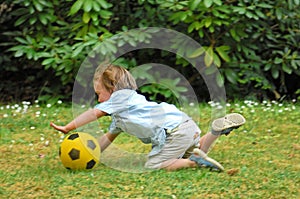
x=261, y=159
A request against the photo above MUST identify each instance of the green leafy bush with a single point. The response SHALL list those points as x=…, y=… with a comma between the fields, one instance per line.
x=255, y=44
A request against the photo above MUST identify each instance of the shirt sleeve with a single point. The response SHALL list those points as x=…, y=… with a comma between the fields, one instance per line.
x=114, y=129
x=117, y=102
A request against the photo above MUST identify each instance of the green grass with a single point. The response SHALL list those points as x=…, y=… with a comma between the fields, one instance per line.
x=261, y=159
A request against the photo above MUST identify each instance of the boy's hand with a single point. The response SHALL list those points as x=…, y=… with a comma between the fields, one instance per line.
x=62, y=129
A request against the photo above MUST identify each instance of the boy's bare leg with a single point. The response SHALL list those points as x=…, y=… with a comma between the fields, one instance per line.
x=206, y=141
x=221, y=126
x=197, y=159
x=172, y=165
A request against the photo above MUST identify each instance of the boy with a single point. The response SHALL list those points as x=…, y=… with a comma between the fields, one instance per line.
x=174, y=136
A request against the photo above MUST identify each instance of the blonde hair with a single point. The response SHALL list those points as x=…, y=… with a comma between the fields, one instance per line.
x=114, y=77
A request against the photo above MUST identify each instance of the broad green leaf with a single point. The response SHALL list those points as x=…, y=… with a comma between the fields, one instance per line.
x=96, y=6
x=68, y=67
x=105, y=14
x=216, y=13
x=94, y=16
x=83, y=31
x=21, y=20
x=218, y=2
x=224, y=48
x=77, y=51
x=208, y=58
x=76, y=7
x=210, y=70
x=231, y=76
x=220, y=80
x=208, y=21
x=86, y=17
x=218, y=22
x=240, y=10
x=177, y=17
x=208, y=3
x=31, y=10
x=267, y=66
x=264, y=5
x=104, y=4
x=197, y=52
x=45, y=54
x=201, y=33
x=181, y=89
x=249, y=15
x=37, y=5
x=21, y=40
x=43, y=18
x=194, y=4
x=87, y=5
x=260, y=14
x=217, y=60
x=61, y=67
x=196, y=25
x=278, y=60
x=279, y=13
x=30, y=39
x=48, y=61
x=234, y=34
x=167, y=93
x=19, y=53
x=16, y=48
x=286, y=69
x=46, y=3
x=132, y=42
x=30, y=53
x=275, y=72
x=222, y=52
x=294, y=64
x=90, y=42
x=110, y=46
x=32, y=20
x=121, y=42
x=225, y=9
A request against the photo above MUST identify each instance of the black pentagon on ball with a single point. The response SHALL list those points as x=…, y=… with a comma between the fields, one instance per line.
x=74, y=154
x=91, y=144
x=90, y=164
x=73, y=136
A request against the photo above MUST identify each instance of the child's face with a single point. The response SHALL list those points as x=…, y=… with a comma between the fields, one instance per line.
x=102, y=92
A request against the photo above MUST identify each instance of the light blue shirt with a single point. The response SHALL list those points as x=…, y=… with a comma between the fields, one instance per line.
x=133, y=114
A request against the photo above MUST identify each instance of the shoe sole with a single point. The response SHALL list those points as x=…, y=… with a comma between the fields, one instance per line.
x=232, y=120
x=208, y=159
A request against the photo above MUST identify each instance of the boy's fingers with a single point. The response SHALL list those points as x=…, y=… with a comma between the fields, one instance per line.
x=52, y=124
x=59, y=128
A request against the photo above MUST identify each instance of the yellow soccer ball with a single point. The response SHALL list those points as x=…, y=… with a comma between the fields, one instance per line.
x=79, y=151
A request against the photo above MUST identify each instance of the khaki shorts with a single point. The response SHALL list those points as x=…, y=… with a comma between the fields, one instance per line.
x=179, y=144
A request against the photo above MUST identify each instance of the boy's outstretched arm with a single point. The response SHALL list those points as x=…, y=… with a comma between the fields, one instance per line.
x=85, y=118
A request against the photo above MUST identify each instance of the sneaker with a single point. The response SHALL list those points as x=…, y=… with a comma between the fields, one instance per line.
x=224, y=125
x=203, y=160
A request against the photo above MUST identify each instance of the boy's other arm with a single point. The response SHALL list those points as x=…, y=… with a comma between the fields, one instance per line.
x=106, y=140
